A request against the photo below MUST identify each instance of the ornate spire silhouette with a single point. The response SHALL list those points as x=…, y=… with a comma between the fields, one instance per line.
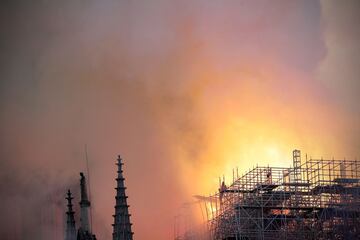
x=70, y=222
x=122, y=225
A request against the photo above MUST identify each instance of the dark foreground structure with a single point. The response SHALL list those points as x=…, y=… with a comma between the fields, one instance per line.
x=319, y=199
x=122, y=224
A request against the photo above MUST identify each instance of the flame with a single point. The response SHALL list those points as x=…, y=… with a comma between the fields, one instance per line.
x=243, y=129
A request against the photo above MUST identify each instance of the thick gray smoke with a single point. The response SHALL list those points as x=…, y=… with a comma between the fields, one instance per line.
x=143, y=79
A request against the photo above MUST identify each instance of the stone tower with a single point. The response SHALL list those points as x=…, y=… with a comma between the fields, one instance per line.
x=84, y=206
x=84, y=232
x=122, y=225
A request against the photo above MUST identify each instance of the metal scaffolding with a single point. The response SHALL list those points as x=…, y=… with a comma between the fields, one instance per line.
x=319, y=199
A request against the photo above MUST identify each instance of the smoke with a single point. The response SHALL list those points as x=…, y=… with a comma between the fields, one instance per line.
x=184, y=91
x=340, y=68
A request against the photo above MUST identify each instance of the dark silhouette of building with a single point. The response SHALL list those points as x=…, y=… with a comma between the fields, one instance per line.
x=70, y=221
x=122, y=224
x=84, y=231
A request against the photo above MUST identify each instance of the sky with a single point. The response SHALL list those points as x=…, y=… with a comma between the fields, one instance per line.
x=185, y=91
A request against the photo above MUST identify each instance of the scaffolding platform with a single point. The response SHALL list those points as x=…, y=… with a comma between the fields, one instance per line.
x=317, y=199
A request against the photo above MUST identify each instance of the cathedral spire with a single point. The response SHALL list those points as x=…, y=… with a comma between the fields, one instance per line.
x=84, y=206
x=122, y=225
x=70, y=222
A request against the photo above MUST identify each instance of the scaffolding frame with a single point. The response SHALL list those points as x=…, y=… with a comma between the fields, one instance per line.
x=319, y=199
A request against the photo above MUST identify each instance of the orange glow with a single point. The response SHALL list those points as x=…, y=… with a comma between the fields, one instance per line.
x=245, y=127
x=185, y=91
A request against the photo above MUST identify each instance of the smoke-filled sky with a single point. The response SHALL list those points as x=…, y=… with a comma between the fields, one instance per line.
x=183, y=90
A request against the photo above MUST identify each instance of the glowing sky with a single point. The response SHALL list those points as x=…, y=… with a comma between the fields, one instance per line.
x=184, y=90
